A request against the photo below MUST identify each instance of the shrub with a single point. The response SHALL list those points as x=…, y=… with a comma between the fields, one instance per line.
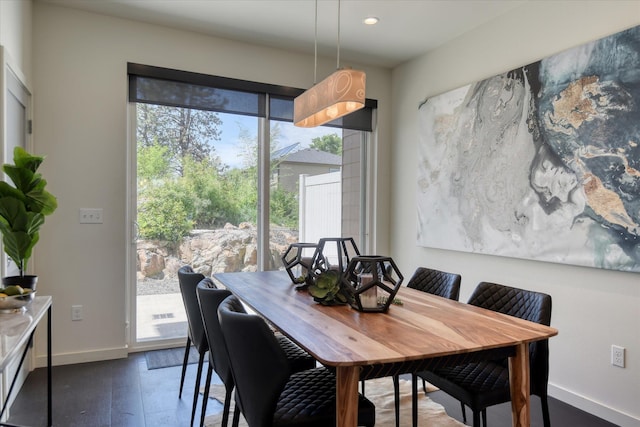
x=162, y=214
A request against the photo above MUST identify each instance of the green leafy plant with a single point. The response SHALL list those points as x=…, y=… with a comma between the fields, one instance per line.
x=327, y=289
x=162, y=213
x=23, y=206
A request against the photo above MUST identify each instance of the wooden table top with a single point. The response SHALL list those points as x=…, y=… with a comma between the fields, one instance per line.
x=424, y=326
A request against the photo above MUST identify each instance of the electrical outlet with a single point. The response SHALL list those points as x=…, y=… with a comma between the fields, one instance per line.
x=90, y=216
x=76, y=312
x=617, y=356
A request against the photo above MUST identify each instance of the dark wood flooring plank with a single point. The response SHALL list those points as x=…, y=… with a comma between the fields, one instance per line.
x=123, y=393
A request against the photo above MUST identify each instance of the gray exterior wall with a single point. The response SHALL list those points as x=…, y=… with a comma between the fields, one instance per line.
x=351, y=179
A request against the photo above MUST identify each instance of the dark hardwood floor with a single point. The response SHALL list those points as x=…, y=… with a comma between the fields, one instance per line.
x=124, y=393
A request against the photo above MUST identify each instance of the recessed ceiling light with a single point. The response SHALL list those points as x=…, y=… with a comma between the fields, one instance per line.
x=371, y=20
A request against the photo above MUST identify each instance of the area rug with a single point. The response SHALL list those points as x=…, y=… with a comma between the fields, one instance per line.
x=169, y=357
x=380, y=392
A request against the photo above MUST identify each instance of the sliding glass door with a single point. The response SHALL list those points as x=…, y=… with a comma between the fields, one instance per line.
x=196, y=185
x=223, y=191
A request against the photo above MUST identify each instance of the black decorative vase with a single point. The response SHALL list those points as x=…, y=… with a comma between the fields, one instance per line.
x=374, y=281
x=297, y=262
x=26, y=281
x=333, y=253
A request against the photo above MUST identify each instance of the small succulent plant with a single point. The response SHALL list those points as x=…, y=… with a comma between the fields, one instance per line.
x=327, y=289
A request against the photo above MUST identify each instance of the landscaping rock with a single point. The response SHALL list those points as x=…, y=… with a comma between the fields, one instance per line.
x=232, y=248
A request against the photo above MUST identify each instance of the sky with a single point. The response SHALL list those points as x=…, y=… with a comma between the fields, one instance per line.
x=228, y=147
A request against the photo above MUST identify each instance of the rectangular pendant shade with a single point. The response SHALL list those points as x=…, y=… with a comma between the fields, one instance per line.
x=341, y=93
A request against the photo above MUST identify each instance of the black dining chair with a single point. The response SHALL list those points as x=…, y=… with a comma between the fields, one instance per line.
x=268, y=393
x=188, y=280
x=483, y=384
x=435, y=282
x=209, y=298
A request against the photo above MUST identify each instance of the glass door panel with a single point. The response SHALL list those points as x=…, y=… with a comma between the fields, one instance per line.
x=196, y=205
x=316, y=186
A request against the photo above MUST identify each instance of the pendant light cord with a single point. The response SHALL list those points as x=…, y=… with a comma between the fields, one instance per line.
x=315, y=49
x=315, y=44
x=338, y=60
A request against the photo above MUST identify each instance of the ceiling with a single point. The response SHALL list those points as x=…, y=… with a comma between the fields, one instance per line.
x=407, y=28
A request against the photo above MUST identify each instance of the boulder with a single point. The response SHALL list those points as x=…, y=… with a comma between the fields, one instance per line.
x=227, y=249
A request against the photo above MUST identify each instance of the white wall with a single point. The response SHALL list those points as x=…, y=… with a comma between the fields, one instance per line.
x=80, y=86
x=15, y=33
x=15, y=38
x=592, y=308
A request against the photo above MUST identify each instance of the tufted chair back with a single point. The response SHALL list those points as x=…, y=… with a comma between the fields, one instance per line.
x=436, y=282
x=209, y=298
x=189, y=280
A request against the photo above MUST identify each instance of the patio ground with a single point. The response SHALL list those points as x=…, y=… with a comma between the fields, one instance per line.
x=161, y=316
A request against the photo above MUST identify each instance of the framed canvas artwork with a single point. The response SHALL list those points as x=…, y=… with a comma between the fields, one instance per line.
x=541, y=162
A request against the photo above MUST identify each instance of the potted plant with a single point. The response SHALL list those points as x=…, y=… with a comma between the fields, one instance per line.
x=328, y=289
x=23, y=208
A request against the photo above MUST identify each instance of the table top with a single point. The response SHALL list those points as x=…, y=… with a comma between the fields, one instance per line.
x=16, y=327
x=424, y=326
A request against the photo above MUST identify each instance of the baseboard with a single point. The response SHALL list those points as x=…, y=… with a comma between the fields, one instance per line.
x=82, y=357
x=596, y=408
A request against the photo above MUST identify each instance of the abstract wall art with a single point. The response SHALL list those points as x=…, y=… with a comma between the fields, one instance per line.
x=541, y=162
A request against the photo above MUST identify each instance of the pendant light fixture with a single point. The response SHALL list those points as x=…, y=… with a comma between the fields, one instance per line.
x=341, y=93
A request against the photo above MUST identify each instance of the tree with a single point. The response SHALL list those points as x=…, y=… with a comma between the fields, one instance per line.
x=329, y=143
x=249, y=144
x=183, y=185
x=183, y=131
x=153, y=162
x=210, y=203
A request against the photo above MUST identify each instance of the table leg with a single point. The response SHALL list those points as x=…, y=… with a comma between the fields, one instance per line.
x=520, y=386
x=347, y=396
x=49, y=386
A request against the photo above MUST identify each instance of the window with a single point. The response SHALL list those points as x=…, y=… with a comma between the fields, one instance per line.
x=212, y=154
x=278, y=142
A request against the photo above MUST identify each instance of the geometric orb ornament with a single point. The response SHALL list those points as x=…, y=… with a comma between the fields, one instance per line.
x=297, y=262
x=333, y=253
x=374, y=281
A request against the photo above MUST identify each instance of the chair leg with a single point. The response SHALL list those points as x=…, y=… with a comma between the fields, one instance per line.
x=484, y=417
x=227, y=406
x=197, y=387
x=414, y=400
x=184, y=365
x=362, y=386
x=396, y=395
x=236, y=416
x=205, y=397
x=545, y=411
x=464, y=412
x=476, y=419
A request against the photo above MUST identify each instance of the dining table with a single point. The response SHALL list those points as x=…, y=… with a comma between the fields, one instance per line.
x=418, y=332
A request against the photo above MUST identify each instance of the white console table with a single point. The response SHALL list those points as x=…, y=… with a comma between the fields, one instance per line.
x=16, y=333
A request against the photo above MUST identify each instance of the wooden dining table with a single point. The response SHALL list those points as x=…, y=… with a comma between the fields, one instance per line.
x=422, y=332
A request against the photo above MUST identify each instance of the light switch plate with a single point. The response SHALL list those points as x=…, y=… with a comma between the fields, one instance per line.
x=90, y=215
